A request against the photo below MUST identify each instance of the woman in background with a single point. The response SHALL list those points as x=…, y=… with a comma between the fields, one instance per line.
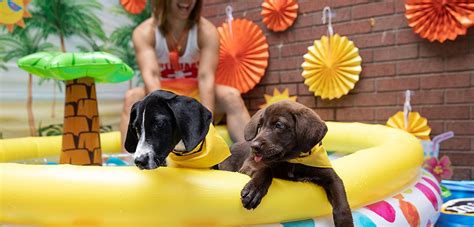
x=178, y=50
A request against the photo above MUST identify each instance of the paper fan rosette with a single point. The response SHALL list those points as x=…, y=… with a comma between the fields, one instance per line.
x=417, y=125
x=277, y=96
x=278, y=15
x=133, y=6
x=332, y=66
x=440, y=19
x=243, y=55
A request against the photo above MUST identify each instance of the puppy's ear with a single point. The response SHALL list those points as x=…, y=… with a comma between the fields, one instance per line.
x=310, y=129
x=192, y=119
x=132, y=140
x=251, y=128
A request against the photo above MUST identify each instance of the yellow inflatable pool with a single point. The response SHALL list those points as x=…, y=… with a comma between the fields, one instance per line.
x=384, y=161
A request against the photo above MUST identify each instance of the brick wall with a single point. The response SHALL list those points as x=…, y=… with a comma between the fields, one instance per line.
x=394, y=59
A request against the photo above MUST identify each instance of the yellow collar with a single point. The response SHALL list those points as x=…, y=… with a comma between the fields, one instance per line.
x=316, y=157
x=210, y=152
x=197, y=149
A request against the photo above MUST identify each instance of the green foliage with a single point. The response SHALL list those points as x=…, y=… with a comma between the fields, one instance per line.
x=92, y=45
x=50, y=130
x=58, y=83
x=127, y=54
x=105, y=128
x=2, y=64
x=22, y=42
x=57, y=129
x=122, y=37
x=66, y=18
x=2, y=61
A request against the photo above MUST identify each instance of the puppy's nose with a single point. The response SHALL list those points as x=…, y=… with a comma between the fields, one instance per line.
x=142, y=161
x=256, y=146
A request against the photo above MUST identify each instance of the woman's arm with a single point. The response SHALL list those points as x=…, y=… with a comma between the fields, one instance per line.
x=209, y=45
x=144, y=44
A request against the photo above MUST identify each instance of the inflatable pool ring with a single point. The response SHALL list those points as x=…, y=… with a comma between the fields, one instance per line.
x=418, y=205
x=62, y=194
x=458, y=212
x=20, y=149
x=458, y=209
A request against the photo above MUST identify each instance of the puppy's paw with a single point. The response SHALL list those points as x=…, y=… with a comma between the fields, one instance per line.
x=247, y=170
x=252, y=195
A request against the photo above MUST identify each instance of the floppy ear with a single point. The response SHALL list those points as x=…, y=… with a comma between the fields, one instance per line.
x=132, y=140
x=251, y=128
x=192, y=119
x=310, y=129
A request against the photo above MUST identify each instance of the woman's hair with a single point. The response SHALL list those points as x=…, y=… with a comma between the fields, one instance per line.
x=162, y=7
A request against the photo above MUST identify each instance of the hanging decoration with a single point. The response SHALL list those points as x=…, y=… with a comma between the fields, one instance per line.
x=278, y=15
x=418, y=125
x=440, y=20
x=243, y=54
x=12, y=13
x=133, y=6
x=332, y=65
x=277, y=96
x=411, y=122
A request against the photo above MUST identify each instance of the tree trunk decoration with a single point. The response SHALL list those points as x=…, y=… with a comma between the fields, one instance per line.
x=29, y=106
x=81, y=130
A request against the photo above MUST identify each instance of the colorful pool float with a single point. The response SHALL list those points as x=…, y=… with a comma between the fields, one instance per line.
x=417, y=205
x=383, y=162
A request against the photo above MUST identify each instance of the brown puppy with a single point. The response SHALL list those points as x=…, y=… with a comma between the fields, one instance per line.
x=277, y=139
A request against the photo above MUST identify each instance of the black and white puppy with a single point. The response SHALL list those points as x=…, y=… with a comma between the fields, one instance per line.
x=159, y=122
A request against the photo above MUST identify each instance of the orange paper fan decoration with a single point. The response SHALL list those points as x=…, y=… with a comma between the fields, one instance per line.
x=440, y=19
x=243, y=55
x=133, y=6
x=278, y=15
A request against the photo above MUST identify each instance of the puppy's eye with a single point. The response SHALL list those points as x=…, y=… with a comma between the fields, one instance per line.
x=279, y=125
x=159, y=125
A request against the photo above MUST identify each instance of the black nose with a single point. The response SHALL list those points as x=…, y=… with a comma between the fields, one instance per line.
x=257, y=146
x=142, y=161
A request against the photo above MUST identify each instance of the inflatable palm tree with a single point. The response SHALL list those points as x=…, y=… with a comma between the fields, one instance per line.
x=65, y=19
x=81, y=132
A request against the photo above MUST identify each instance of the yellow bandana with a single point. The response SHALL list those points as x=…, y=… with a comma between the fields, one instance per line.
x=210, y=152
x=316, y=157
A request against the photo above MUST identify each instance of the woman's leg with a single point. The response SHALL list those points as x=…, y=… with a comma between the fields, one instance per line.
x=229, y=100
x=131, y=97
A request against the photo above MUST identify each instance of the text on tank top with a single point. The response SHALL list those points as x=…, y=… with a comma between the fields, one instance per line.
x=189, y=61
